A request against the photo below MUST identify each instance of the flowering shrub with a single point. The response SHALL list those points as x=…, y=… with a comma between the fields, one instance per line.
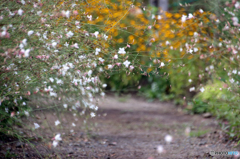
x=45, y=52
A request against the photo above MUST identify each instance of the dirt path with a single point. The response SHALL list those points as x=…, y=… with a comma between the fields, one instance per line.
x=134, y=128
x=131, y=128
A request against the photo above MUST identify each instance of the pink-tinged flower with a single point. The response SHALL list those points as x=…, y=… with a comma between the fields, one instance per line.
x=192, y=89
x=131, y=67
x=128, y=45
x=75, y=45
x=75, y=12
x=118, y=64
x=190, y=16
x=89, y=17
x=149, y=27
x=12, y=114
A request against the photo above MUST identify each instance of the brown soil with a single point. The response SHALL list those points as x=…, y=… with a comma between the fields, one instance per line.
x=131, y=128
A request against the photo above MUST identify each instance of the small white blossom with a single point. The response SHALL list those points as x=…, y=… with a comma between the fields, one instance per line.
x=162, y=64
x=70, y=34
x=121, y=51
x=105, y=37
x=73, y=124
x=36, y=125
x=110, y=66
x=202, y=89
x=96, y=34
x=192, y=89
x=126, y=63
x=65, y=105
x=184, y=18
x=20, y=12
x=57, y=123
x=97, y=51
x=92, y=115
x=160, y=149
x=168, y=138
x=115, y=57
x=104, y=85
x=30, y=32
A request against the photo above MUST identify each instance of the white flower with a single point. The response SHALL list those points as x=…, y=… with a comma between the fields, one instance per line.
x=70, y=34
x=162, y=64
x=237, y=4
x=184, y=18
x=168, y=138
x=102, y=94
x=57, y=123
x=153, y=16
x=200, y=10
x=104, y=85
x=22, y=1
x=67, y=14
x=121, y=51
x=89, y=72
x=65, y=105
x=89, y=17
x=53, y=94
x=115, y=56
x=195, y=34
x=234, y=71
x=110, y=66
x=126, y=63
x=192, y=89
x=190, y=80
x=76, y=45
x=55, y=143
x=30, y=32
x=36, y=125
x=167, y=43
x=20, y=12
x=232, y=80
x=131, y=67
x=58, y=137
x=105, y=37
x=101, y=59
x=92, y=114
x=54, y=44
x=220, y=44
x=159, y=17
x=26, y=113
x=66, y=44
x=160, y=149
x=26, y=53
x=97, y=51
x=190, y=15
x=73, y=124
x=51, y=79
x=195, y=49
x=202, y=89
x=96, y=34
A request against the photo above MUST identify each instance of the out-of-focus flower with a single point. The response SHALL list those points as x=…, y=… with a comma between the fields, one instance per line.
x=126, y=63
x=121, y=51
x=192, y=89
x=160, y=149
x=30, y=32
x=57, y=122
x=20, y=12
x=168, y=138
x=36, y=125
